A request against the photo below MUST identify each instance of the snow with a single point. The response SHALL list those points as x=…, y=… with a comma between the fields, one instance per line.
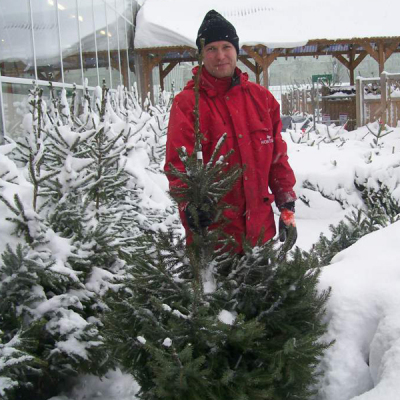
x=363, y=310
x=363, y=317
x=276, y=23
x=114, y=385
x=167, y=342
x=141, y=339
x=227, y=317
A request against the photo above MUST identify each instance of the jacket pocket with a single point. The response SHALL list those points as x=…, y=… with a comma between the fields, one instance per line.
x=262, y=129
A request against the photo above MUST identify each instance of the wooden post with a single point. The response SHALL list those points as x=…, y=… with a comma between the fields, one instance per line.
x=383, y=97
x=265, y=67
x=265, y=76
x=297, y=100
x=257, y=73
x=147, y=64
x=148, y=79
x=381, y=52
x=160, y=73
x=359, y=102
x=124, y=70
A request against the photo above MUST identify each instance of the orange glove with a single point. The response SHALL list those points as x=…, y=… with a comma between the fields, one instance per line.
x=287, y=225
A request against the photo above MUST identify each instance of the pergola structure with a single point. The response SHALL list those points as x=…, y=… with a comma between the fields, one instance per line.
x=350, y=52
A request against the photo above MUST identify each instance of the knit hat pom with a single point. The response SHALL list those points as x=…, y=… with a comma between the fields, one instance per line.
x=215, y=28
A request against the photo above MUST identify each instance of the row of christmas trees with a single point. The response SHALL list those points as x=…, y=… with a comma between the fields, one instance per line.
x=96, y=275
x=73, y=193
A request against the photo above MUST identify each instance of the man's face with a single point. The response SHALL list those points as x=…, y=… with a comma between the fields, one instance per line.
x=220, y=59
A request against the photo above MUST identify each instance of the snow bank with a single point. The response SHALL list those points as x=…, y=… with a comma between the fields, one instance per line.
x=363, y=317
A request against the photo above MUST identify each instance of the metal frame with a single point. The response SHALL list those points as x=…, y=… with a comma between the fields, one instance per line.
x=33, y=39
x=127, y=48
x=108, y=45
x=60, y=44
x=80, y=40
x=95, y=45
x=119, y=51
x=40, y=82
x=62, y=84
x=3, y=122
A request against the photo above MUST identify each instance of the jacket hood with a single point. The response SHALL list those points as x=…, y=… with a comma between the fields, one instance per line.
x=208, y=87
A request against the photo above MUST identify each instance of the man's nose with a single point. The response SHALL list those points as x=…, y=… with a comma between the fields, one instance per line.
x=220, y=54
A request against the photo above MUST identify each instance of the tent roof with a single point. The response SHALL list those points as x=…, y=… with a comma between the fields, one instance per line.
x=273, y=23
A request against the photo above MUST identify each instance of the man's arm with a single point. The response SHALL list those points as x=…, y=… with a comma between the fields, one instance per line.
x=281, y=176
x=180, y=134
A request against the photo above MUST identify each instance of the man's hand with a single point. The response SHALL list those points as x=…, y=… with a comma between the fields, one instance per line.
x=287, y=225
x=200, y=217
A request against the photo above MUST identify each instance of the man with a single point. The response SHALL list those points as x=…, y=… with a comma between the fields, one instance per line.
x=250, y=116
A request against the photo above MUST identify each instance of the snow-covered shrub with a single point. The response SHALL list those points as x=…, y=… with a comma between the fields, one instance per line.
x=77, y=189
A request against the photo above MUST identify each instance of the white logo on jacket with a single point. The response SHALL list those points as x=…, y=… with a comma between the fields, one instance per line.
x=268, y=140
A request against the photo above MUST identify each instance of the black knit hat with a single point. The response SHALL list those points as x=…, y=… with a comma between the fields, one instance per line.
x=214, y=28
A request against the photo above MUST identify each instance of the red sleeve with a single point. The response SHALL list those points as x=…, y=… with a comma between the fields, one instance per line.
x=180, y=134
x=281, y=176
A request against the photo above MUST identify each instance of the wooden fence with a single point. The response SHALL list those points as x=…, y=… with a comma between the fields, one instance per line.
x=378, y=98
x=371, y=99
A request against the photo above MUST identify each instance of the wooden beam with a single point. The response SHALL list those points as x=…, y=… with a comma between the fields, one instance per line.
x=248, y=64
x=391, y=49
x=345, y=62
x=273, y=56
x=360, y=58
x=165, y=72
x=264, y=60
x=169, y=68
x=369, y=49
x=260, y=60
x=155, y=61
x=253, y=54
x=352, y=63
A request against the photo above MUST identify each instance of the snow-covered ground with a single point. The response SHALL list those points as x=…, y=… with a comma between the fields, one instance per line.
x=363, y=311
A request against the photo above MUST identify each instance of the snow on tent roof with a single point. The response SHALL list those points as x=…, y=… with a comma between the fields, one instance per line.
x=273, y=23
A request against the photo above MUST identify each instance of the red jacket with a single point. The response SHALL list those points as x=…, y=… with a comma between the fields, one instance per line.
x=250, y=116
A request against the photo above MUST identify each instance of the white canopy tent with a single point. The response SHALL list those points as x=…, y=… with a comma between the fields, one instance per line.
x=349, y=30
